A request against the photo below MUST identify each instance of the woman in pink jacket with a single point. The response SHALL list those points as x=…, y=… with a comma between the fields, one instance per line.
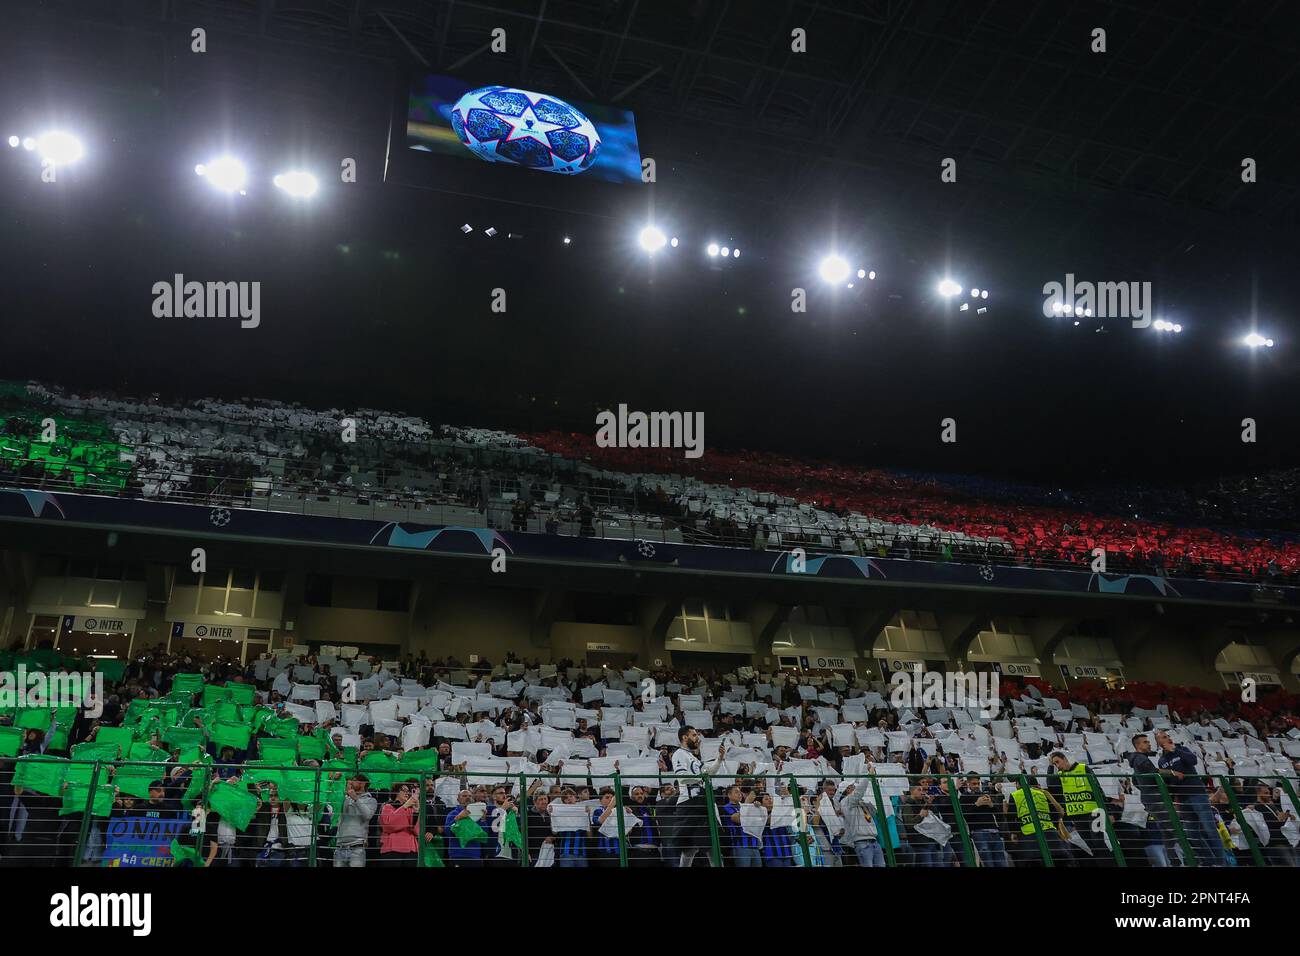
x=397, y=823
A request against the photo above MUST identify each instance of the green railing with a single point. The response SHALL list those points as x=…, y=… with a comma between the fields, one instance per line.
x=108, y=813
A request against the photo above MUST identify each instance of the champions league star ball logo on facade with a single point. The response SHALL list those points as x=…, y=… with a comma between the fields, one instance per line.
x=220, y=517
x=506, y=125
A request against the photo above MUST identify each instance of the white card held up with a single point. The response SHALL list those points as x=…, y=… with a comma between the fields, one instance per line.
x=753, y=819
x=566, y=817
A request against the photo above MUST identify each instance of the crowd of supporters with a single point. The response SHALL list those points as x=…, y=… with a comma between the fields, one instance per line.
x=268, y=454
x=559, y=764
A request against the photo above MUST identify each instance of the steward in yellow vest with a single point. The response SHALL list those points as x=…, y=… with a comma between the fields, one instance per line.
x=1026, y=851
x=1084, y=812
x=1041, y=809
x=1076, y=788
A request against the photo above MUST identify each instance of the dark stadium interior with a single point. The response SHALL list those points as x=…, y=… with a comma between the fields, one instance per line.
x=1121, y=165
x=951, y=580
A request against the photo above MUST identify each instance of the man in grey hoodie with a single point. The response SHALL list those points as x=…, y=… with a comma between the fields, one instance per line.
x=859, y=813
x=354, y=824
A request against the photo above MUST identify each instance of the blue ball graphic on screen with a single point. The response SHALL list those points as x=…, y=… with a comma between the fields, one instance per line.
x=506, y=125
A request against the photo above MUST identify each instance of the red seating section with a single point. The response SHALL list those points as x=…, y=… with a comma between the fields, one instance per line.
x=1037, y=532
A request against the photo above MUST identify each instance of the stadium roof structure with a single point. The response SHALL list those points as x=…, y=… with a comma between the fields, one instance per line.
x=1012, y=90
x=1124, y=164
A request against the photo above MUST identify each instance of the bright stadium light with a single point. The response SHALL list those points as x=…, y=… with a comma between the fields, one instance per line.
x=224, y=173
x=297, y=183
x=59, y=149
x=871, y=275
x=673, y=242
x=834, y=269
x=1256, y=341
x=984, y=293
x=567, y=240
x=1177, y=328
x=948, y=288
x=974, y=293
x=1069, y=309
x=29, y=144
x=15, y=142
x=862, y=273
x=724, y=252
x=652, y=239
x=712, y=249
x=1057, y=307
x=735, y=253
x=1160, y=325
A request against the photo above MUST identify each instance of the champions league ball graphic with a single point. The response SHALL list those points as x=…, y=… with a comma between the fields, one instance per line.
x=505, y=125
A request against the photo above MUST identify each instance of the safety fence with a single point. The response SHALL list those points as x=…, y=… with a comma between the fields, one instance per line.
x=614, y=513
x=56, y=812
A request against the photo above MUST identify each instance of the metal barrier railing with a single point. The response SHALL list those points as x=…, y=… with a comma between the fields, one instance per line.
x=384, y=811
x=614, y=516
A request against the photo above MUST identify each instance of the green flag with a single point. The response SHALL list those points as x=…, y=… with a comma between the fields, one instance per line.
x=194, y=792
x=225, y=711
x=42, y=774
x=298, y=785
x=283, y=753
x=191, y=755
x=234, y=803
x=212, y=694
x=76, y=796
x=467, y=832
x=230, y=735
x=121, y=736
x=187, y=683
x=371, y=765
x=262, y=771
x=420, y=761
x=429, y=855
x=257, y=716
x=97, y=750
x=182, y=737
x=82, y=772
x=134, y=779
x=510, y=830
x=112, y=669
x=142, y=750
x=11, y=741
x=185, y=854
x=281, y=726
x=34, y=718
x=242, y=693
x=311, y=748
x=57, y=741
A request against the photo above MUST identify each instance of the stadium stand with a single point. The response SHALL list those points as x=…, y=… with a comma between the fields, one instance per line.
x=338, y=760
x=287, y=458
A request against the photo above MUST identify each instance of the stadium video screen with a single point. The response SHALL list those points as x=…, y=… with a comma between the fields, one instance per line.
x=533, y=129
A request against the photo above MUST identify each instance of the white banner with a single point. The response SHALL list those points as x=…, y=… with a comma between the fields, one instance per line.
x=210, y=632
x=96, y=624
x=1016, y=670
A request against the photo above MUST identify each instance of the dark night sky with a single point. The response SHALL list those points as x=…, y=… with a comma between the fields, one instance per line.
x=401, y=319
